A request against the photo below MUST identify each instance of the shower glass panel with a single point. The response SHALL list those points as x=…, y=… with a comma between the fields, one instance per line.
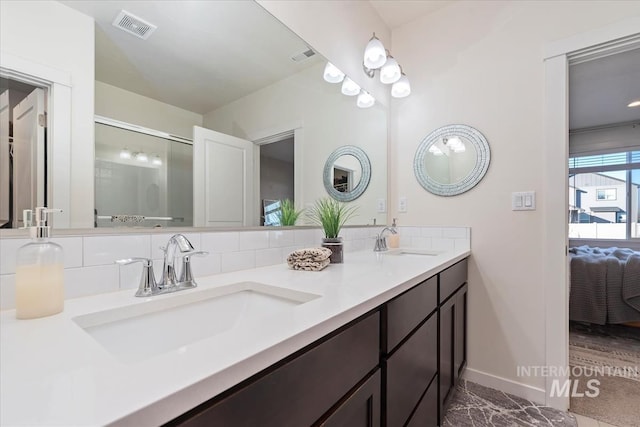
x=142, y=180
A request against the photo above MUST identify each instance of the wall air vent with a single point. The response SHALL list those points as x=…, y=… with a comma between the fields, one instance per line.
x=303, y=56
x=133, y=25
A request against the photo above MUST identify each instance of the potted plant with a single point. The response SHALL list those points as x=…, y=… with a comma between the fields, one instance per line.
x=288, y=213
x=331, y=215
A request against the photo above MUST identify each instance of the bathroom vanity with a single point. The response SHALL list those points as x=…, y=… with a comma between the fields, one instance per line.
x=381, y=342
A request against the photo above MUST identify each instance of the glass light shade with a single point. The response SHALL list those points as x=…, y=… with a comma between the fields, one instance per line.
x=349, y=87
x=401, y=88
x=125, y=153
x=435, y=151
x=365, y=100
x=375, y=54
x=634, y=104
x=141, y=157
x=157, y=161
x=390, y=71
x=332, y=74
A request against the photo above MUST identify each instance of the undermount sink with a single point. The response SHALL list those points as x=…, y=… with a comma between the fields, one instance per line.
x=156, y=326
x=413, y=251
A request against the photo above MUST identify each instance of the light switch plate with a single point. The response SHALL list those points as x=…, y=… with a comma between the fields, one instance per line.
x=382, y=205
x=523, y=201
x=402, y=204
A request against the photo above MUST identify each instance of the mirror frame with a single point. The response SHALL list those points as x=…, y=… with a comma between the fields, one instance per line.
x=483, y=158
x=358, y=190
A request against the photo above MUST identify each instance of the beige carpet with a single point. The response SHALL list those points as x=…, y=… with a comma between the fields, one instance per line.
x=614, y=361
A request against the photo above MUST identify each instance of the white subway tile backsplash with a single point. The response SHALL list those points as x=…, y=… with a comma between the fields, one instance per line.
x=462, y=244
x=7, y=291
x=79, y=282
x=306, y=238
x=254, y=240
x=234, y=261
x=411, y=231
x=431, y=231
x=205, y=265
x=442, y=244
x=281, y=238
x=228, y=241
x=266, y=257
x=130, y=275
x=158, y=240
x=421, y=242
x=71, y=246
x=103, y=250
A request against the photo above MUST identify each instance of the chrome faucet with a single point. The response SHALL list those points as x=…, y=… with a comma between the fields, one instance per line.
x=178, y=246
x=381, y=241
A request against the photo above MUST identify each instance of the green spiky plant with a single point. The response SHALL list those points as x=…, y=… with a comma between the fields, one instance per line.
x=288, y=213
x=331, y=215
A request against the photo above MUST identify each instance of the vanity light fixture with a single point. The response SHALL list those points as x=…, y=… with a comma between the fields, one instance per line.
x=365, y=100
x=332, y=74
x=142, y=157
x=375, y=55
x=349, y=87
x=156, y=160
x=125, y=153
x=401, y=88
x=634, y=103
x=390, y=71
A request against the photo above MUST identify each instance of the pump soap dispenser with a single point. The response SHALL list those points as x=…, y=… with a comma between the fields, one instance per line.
x=39, y=272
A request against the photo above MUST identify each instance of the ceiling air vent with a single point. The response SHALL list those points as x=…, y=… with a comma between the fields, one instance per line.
x=303, y=56
x=133, y=25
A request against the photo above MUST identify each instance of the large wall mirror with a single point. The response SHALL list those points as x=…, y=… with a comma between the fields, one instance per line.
x=452, y=160
x=212, y=113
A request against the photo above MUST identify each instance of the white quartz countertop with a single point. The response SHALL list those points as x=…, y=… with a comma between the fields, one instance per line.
x=52, y=372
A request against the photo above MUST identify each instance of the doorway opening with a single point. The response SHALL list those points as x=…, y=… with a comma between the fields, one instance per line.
x=277, y=178
x=23, y=149
x=603, y=232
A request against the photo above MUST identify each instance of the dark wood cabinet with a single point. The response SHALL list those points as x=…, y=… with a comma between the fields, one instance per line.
x=395, y=366
x=453, y=332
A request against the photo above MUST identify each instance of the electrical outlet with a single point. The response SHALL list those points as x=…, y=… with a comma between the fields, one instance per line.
x=382, y=205
x=402, y=204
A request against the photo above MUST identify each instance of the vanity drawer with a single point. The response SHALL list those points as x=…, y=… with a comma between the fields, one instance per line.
x=303, y=389
x=406, y=311
x=410, y=370
x=452, y=278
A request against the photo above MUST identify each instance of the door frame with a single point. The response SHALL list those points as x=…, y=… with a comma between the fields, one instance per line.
x=58, y=85
x=618, y=37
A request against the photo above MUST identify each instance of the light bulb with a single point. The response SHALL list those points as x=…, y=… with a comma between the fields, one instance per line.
x=157, y=161
x=390, y=71
x=349, y=87
x=375, y=54
x=634, y=104
x=141, y=157
x=332, y=74
x=125, y=153
x=365, y=100
x=401, y=88
x=435, y=151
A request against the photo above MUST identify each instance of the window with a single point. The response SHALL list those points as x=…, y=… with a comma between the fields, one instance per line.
x=607, y=194
x=604, y=196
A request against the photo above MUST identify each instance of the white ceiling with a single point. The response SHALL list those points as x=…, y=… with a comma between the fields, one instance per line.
x=203, y=55
x=395, y=13
x=601, y=89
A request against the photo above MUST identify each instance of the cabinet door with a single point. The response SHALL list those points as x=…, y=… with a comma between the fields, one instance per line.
x=447, y=343
x=460, y=347
x=426, y=414
x=360, y=409
x=409, y=370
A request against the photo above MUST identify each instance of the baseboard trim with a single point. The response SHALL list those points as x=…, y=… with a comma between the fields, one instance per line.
x=534, y=394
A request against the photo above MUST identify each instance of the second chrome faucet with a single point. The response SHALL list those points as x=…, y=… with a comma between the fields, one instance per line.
x=172, y=280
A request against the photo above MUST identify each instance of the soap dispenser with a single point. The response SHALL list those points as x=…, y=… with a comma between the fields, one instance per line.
x=39, y=271
x=393, y=240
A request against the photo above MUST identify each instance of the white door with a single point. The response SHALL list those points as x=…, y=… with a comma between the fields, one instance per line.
x=4, y=157
x=28, y=154
x=223, y=183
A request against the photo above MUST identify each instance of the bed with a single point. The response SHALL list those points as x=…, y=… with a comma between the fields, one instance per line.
x=605, y=285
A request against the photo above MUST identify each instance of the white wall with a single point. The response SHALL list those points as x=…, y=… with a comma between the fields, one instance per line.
x=328, y=119
x=49, y=33
x=120, y=104
x=481, y=64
